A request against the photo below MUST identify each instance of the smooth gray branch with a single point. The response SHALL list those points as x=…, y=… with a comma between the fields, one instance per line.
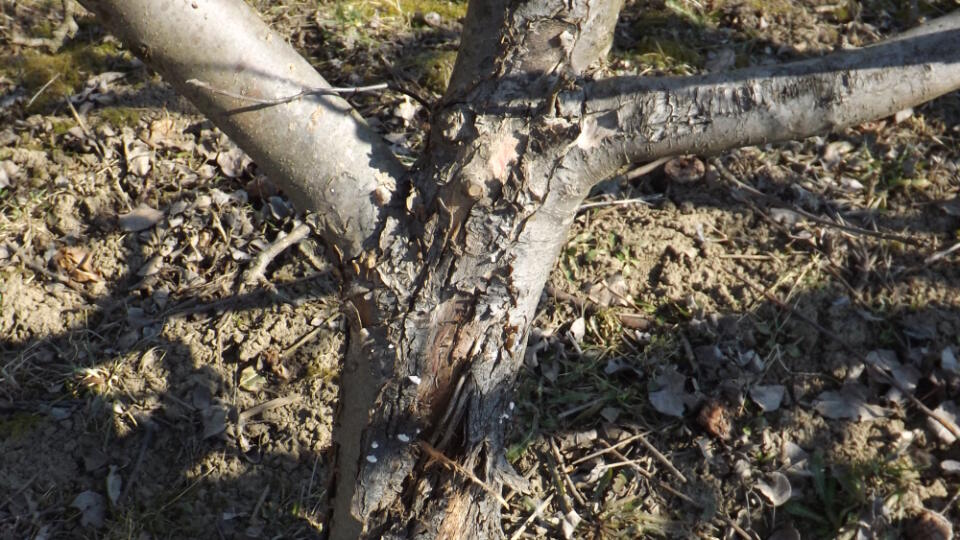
x=318, y=150
x=630, y=119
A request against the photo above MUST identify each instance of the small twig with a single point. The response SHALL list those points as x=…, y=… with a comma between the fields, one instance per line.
x=746, y=257
x=645, y=169
x=256, y=509
x=333, y=90
x=578, y=408
x=266, y=406
x=662, y=458
x=256, y=270
x=876, y=370
x=537, y=512
x=562, y=470
x=941, y=254
x=300, y=342
x=608, y=449
x=185, y=490
x=436, y=455
x=193, y=306
x=41, y=90
x=618, y=202
x=632, y=320
x=63, y=280
x=686, y=498
x=141, y=455
x=771, y=200
x=83, y=127
x=649, y=476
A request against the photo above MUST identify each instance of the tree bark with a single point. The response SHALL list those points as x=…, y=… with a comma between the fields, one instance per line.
x=442, y=277
x=317, y=149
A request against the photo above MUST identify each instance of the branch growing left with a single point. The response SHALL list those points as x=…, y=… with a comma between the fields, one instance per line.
x=317, y=149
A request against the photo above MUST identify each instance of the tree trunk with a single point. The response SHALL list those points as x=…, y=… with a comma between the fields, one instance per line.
x=444, y=265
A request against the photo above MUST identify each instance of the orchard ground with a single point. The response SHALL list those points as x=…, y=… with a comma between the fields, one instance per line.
x=145, y=393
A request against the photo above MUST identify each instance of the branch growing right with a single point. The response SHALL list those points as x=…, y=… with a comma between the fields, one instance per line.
x=631, y=119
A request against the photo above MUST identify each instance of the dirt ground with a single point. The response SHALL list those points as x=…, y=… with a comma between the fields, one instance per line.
x=713, y=357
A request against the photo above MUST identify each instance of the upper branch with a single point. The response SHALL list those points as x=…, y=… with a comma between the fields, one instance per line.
x=631, y=119
x=317, y=149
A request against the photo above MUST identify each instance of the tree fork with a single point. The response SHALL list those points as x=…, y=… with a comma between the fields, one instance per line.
x=492, y=203
x=442, y=278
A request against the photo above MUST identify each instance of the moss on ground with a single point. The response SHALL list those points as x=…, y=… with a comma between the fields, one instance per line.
x=64, y=72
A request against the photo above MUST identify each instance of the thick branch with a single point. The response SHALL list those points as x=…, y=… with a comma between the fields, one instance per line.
x=631, y=119
x=317, y=149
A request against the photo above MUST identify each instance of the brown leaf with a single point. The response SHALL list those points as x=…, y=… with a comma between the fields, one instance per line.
x=684, y=169
x=273, y=361
x=715, y=419
x=233, y=162
x=75, y=261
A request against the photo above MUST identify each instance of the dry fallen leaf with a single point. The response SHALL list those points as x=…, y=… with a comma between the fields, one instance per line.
x=667, y=393
x=114, y=485
x=948, y=361
x=848, y=404
x=92, y=507
x=273, y=361
x=233, y=162
x=75, y=261
x=577, y=329
x=250, y=380
x=214, y=420
x=778, y=491
x=166, y=133
x=684, y=169
x=138, y=156
x=715, y=419
x=949, y=411
x=140, y=218
x=569, y=523
x=950, y=467
x=768, y=397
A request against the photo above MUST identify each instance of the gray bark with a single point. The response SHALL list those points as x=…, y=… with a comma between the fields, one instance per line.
x=634, y=119
x=441, y=282
x=317, y=149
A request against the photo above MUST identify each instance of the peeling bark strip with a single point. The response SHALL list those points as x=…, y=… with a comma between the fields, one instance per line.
x=443, y=275
x=631, y=119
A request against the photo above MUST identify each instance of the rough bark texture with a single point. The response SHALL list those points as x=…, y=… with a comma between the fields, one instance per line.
x=442, y=277
x=470, y=248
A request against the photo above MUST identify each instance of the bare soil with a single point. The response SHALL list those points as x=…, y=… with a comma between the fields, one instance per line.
x=145, y=392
